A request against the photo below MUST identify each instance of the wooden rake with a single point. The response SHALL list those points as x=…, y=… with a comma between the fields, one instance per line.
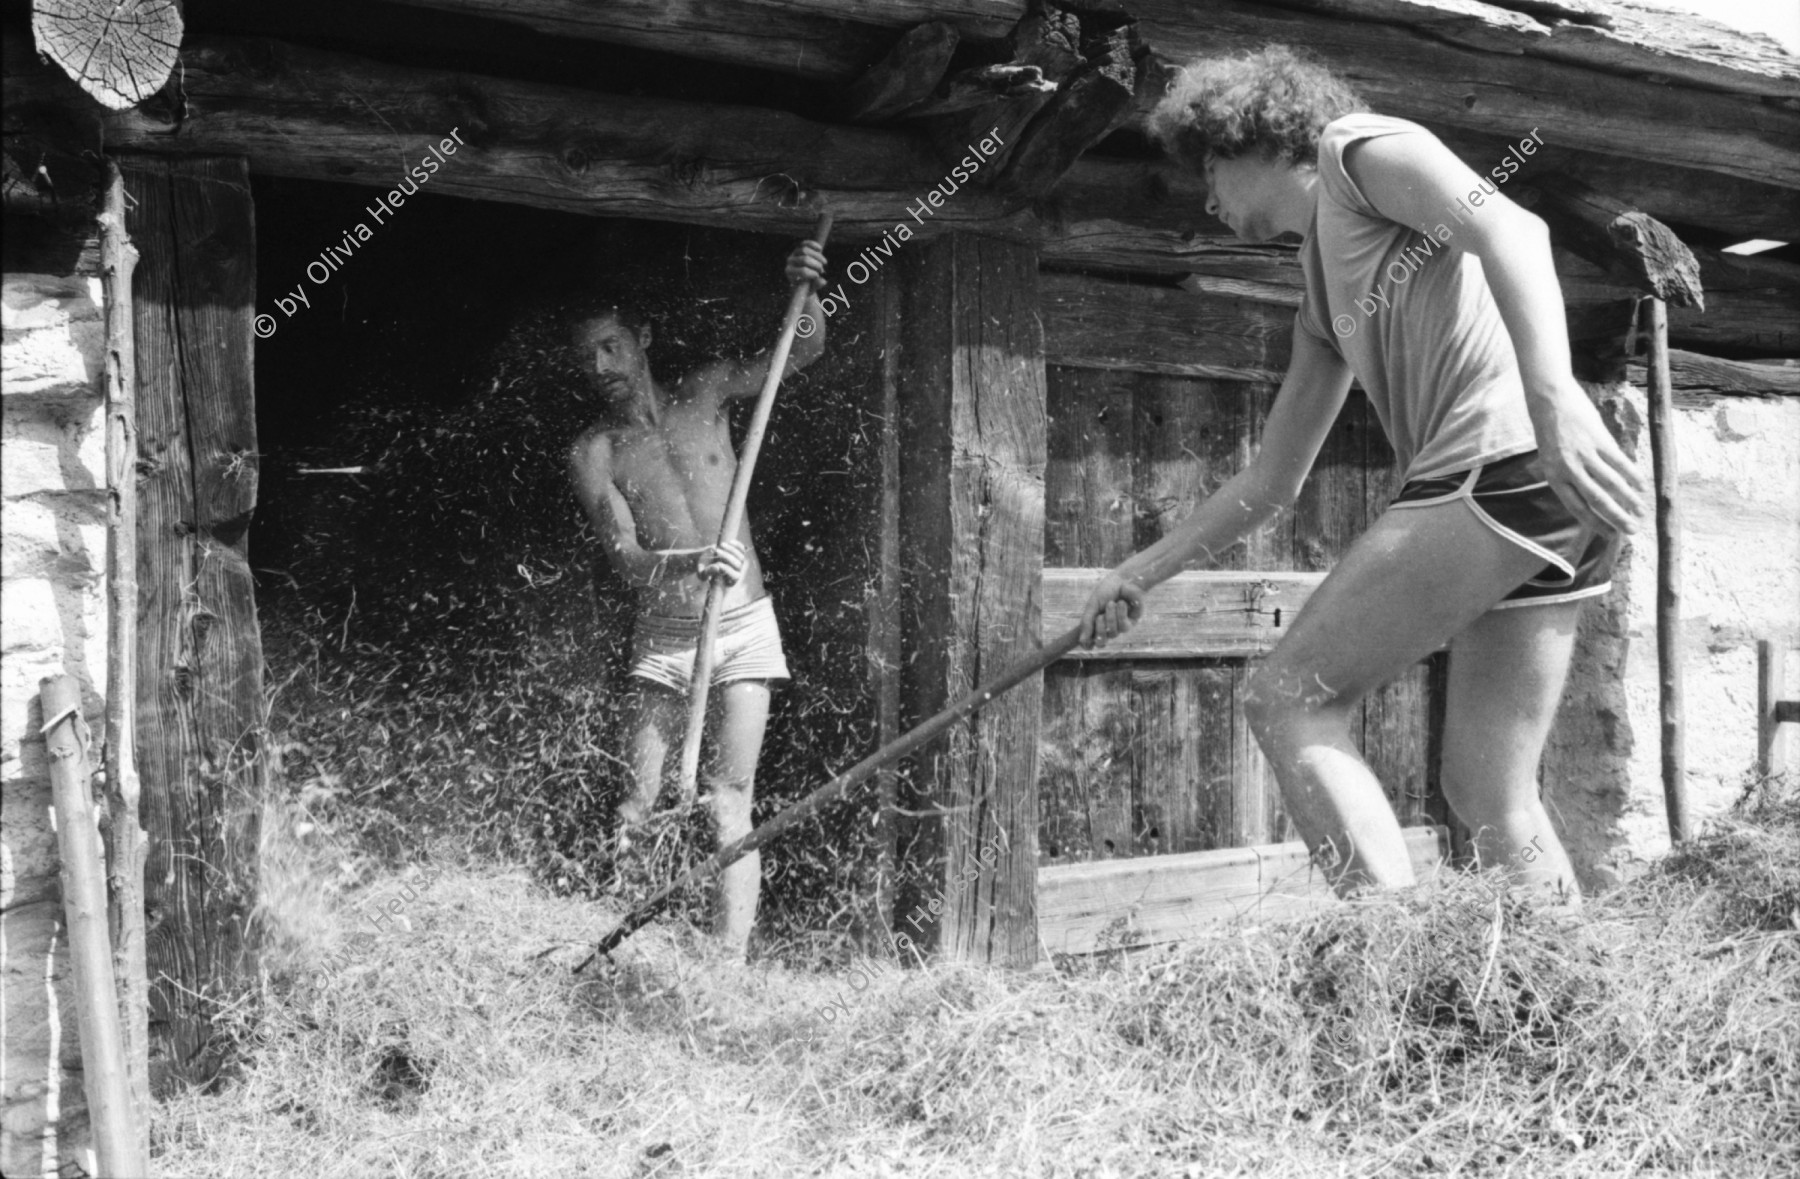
x=839, y=787
x=705, y=654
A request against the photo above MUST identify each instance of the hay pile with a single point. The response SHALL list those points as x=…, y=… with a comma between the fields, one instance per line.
x=1446, y=1030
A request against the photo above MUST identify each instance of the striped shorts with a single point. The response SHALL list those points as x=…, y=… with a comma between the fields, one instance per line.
x=749, y=647
x=1511, y=497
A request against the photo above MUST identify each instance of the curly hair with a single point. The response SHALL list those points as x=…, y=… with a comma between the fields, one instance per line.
x=1272, y=101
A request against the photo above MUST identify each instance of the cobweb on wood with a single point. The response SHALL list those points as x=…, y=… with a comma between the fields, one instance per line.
x=119, y=51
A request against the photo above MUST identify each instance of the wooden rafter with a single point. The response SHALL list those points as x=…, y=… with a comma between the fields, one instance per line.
x=1527, y=73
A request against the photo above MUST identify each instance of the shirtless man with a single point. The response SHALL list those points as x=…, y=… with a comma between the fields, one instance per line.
x=653, y=476
x=1428, y=284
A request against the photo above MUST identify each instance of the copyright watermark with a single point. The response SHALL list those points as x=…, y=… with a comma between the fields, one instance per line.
x=332, y=258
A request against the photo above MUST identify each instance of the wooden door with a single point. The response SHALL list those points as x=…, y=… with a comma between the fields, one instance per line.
x=1151, y=753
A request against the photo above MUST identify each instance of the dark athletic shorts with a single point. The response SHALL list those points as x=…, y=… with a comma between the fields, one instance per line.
x=1511, y=497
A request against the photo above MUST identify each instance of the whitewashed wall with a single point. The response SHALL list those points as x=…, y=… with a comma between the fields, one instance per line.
x=1739, y=465
x=52, y=618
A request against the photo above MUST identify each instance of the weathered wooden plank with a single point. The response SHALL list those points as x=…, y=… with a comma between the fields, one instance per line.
x=1190, y=431
x=972, y=539
x=1087, y=479
x=200, y=706
x=1256, y=803
x=1332, y=510
x=1085, y=766
x=1699, y=377
x=1183, y=775
x=1291, y=886
x=1086, y=908
x=1099, y=323
x=1191, y=615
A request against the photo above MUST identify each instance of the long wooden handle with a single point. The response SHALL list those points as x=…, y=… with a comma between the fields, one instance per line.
x=701, y=687
x=795, y=813
x=105, y=1078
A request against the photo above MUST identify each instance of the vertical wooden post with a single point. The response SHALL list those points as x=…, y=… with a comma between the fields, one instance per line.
x=972, y=534
x=125, y=835
x=884, y=608
x=1668, y=573
x=200, y=706
x=104, y=1075
x=1771, y=711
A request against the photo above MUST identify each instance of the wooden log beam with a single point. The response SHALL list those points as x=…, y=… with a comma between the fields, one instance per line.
x=1506, y=90
x=972, y=440
x=834, y=40
x=1082, y=113
x=1697, y=379
x=1193, y=615
x=284, y=108
x=904, y=78
x=1402, y=72
x=579, y=151
x=1628, y=244
x=1047, y=39
x=1096, y=323
x=1100, y=905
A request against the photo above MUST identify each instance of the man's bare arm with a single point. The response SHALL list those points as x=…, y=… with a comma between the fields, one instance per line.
x=590, y=469
x=725, y=380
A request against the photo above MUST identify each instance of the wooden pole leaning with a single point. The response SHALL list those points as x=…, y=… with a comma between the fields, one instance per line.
x=839, y=787
x=1668, y=574
x=704, y=654
x=104, y=1075
x=126, y=843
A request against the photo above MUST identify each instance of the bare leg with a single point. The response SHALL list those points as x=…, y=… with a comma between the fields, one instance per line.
x=1418, y=577
x=738, y=735
x=654, y=720
x=1506, y=676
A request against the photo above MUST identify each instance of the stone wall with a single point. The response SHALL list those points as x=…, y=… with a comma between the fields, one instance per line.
x=52, y=618
x=1739, y=465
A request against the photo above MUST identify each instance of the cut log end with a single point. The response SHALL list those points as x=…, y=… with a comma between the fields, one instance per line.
x=119, y=51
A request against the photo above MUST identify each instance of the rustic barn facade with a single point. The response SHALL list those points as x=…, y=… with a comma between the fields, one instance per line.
x=1066, y=353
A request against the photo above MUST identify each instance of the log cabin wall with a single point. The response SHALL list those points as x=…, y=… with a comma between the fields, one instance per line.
x=1145, y=746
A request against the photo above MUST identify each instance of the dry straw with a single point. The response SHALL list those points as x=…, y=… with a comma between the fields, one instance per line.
x=1448, y=1030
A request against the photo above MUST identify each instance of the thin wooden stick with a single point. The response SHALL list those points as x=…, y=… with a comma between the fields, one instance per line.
x=126, y=842
x=701, y=687
x=839, y=787
x=1771, y=710
x=1668, y=574
x=103, y=1072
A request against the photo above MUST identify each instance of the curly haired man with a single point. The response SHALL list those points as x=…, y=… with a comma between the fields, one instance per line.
x=1426, y=283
